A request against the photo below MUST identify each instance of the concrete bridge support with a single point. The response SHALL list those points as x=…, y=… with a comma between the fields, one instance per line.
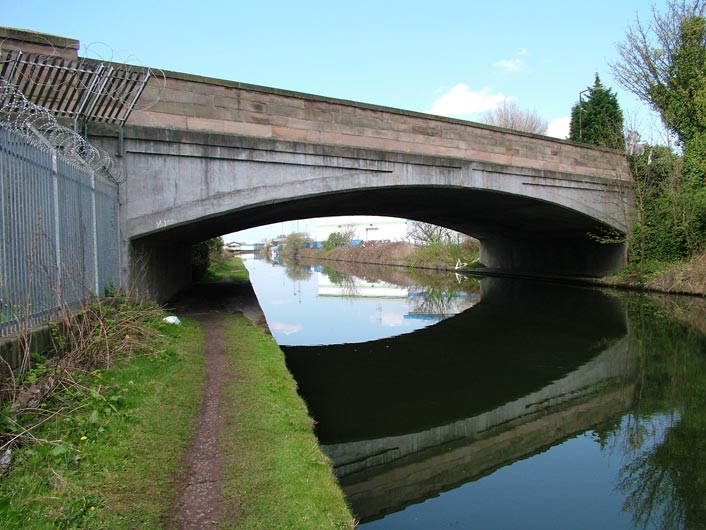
x=572, y=257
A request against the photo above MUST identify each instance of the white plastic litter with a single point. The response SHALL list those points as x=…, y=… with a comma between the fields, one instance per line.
x=172, y=320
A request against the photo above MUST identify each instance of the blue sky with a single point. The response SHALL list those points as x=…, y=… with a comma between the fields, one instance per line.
x=455, y=58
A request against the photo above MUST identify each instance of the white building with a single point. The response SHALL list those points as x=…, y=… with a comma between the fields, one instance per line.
x=365, y=227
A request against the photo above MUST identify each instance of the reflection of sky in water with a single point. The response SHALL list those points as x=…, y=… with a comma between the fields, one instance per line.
x=298, y=314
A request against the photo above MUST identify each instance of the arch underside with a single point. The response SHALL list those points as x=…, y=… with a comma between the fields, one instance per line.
x=482, y=214
x=518, y=234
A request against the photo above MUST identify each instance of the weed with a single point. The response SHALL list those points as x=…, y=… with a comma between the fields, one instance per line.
x=96, y=450
x=102, y=333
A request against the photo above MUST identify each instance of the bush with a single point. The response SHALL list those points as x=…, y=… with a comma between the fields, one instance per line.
x=335, y=240
x=204, y=255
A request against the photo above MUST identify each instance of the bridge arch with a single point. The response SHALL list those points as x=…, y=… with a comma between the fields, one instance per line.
x=193, y=186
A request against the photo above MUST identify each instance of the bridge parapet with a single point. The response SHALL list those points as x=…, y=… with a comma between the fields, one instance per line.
x=195, y=103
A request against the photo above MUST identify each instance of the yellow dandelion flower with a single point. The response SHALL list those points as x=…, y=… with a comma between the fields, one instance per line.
x=92, y=509
x=84, y=438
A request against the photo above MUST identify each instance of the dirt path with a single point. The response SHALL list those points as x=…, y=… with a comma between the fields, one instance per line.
x=199, y=496
x=199, y=504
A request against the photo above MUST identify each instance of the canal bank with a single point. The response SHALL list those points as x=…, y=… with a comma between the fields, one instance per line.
x=135, y=446
x=269, y=471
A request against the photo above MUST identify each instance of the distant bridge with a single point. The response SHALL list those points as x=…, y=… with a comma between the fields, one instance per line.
x=209, y=157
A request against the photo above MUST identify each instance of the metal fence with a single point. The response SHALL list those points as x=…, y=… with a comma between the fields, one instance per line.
x=59, y=241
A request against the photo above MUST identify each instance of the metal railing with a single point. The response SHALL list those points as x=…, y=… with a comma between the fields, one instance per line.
x=59, y=240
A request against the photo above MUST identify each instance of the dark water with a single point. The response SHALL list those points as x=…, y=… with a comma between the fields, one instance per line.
x=453, y=402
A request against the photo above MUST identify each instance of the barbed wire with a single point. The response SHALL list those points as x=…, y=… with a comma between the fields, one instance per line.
x=39, y=125
x=129, y=63
x=113, y=91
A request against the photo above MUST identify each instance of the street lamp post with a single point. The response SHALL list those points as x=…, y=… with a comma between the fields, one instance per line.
x=588, y=90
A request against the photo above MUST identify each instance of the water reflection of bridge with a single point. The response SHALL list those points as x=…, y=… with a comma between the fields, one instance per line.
x=384, y=475
x=404, y=419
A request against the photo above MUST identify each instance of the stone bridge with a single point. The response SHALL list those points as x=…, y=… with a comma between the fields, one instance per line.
x=203, y=157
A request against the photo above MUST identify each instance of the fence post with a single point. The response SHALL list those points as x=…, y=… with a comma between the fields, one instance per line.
x=94, y=234
x=57, y=226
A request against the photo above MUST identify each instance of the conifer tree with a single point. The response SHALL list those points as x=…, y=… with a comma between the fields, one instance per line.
x=597, y=119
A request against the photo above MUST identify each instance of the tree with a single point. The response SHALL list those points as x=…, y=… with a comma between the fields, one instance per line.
x=336, y=239
x=293, y=242
x=342, y=238
x=510, y=116
x=204, y=255
x=427, y=234
x=663, y=63
x=598, y=119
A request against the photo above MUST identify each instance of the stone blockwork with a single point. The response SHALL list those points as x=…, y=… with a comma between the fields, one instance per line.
x=196, y=103
x=41, y=43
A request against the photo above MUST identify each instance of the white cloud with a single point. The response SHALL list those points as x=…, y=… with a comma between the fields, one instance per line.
x=286, y=328
x=512, y=65
x=509, y=65
x=461, y=100
x=389, y=319
x=280, y=301
x=559, y=128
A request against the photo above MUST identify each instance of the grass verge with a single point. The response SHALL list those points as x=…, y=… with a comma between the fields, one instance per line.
x=276, y=475
x=229, y=268
x=108, y=460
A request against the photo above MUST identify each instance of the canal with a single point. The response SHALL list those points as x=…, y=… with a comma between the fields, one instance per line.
x=451, y=401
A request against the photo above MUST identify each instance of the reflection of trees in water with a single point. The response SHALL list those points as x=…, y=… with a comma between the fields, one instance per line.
x=434, y=301
x=664, y=441
x=435, y=293
x=296, y=271
x=343, y=280
x=441, y=295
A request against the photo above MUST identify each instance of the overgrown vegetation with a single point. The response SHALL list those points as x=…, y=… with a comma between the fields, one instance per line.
x=293, y=243
x=92, y=436
x=228, y=269
x=664, y=64
x=462, y=254
x=205, y=257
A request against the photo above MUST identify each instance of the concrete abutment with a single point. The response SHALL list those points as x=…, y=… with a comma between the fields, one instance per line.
x=561, y=257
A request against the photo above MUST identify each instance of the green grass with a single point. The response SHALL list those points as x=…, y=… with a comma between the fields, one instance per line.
x=230, y=268
x=277, y=476
x=110, y=459
x=137, y=419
